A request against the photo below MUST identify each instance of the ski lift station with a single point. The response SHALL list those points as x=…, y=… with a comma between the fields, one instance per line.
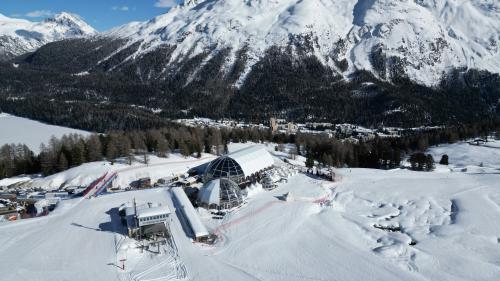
x=146, y=220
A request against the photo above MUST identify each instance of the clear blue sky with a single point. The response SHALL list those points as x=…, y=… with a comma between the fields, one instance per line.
x=101, y=14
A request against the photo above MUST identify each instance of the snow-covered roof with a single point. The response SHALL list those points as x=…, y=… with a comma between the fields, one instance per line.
x=189, y=212
x=210, y=193
x=155, y=211
x=252, y=159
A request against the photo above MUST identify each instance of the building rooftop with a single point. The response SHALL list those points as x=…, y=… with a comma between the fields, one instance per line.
x=154, y=211
x=252, y=159
x=192, y=216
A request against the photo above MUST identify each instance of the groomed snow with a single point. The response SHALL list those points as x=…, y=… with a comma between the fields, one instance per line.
x=16, y=130
x=370, y=225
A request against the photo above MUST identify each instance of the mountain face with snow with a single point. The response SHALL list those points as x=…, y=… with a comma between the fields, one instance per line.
x=19, y=36
x=421, y=39
x=370, y=62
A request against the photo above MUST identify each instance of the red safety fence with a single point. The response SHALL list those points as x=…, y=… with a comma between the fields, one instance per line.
x=94, y=184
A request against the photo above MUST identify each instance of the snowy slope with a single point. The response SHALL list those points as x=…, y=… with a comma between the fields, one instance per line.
x=85, y=174
x=428, y=36
x=19, y=36
x=449, y=216
x=32, y=133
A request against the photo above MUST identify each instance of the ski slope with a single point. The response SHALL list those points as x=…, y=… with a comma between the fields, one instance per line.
x=85, y=174
x=443, y=227
x=16, y=130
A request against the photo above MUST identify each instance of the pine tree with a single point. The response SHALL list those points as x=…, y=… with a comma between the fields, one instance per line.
x=429, y=163
x=309, y=161
x=111, y=150
x=45, y=160
x=184, y=149
x=123, y=145
x=7, y=156
x=62, y=164
x=162, y=148
x=77, y=154
x=93, y=148
x=444, y=160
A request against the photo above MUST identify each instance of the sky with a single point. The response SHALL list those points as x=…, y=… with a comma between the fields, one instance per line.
x=100, y=14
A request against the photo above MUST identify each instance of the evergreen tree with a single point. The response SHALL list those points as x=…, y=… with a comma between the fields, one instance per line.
x=62, y=164
x=93, y=148
x=162, y=147
x=111, y=150
x=309, y=161
x=78, y=154
x=45, y=159
x=429, y=163
x=413, y=161
x=184, y=149
x=444, y=160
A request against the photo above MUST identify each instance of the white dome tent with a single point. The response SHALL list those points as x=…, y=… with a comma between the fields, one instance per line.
x=220, y=194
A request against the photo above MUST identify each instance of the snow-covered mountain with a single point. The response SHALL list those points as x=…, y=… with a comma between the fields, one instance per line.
x=19, y=36
x=369, y=62
x=421, y=38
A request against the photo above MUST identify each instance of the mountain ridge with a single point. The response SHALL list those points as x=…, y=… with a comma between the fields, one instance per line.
x=20, y=36
x=429, y=37
x=193, y=62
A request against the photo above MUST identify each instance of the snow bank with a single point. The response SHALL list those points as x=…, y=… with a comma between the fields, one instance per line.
x=14, y=180
x=85, y=174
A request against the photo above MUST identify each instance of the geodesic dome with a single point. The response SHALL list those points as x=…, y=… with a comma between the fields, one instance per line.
x=240, y=164
x=220, y=194
x=225, y=167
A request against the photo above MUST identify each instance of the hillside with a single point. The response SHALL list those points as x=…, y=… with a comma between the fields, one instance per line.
x=422, y=39
x=32, y=133
x=404, y=63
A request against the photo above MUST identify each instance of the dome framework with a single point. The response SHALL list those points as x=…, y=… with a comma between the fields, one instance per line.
x=220, y=194
x=241, y=165
x=225, y=167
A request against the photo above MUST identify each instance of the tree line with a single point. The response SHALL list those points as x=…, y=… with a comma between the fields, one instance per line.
x=72, y=150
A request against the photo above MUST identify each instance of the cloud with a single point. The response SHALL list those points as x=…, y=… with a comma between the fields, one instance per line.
x=39, y=14
x=120, y=8
x=165, y=3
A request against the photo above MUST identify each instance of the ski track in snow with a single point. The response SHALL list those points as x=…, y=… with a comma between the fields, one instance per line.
x=397, y=224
